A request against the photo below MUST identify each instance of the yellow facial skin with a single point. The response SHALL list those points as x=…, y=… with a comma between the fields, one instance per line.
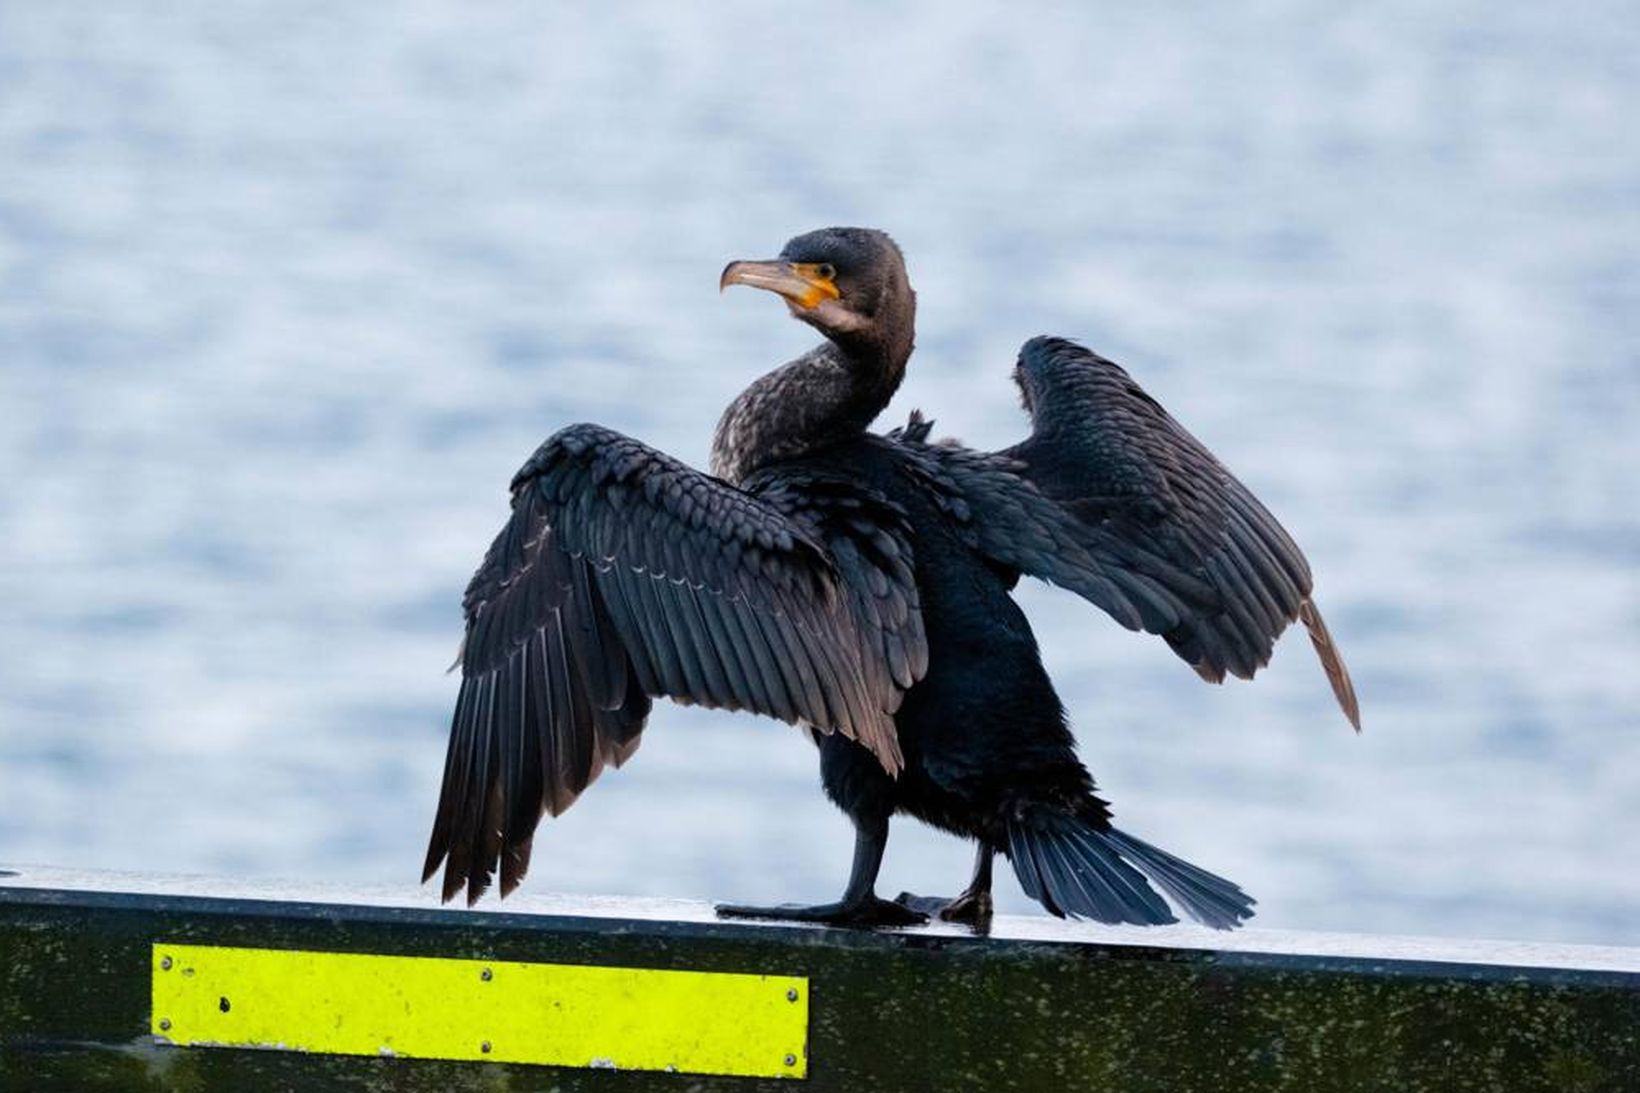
x=806, y=284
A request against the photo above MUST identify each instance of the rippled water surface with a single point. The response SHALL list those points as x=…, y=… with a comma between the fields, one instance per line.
x=287, y=293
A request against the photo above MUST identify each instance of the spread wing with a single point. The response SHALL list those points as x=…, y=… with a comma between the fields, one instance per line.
x=624, y=574
x=1112, y=498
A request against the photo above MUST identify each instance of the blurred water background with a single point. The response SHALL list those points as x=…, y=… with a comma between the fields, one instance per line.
x=287, y=292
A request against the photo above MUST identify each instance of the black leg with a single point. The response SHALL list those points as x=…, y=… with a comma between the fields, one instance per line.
x=973, y=906
x=860, y=905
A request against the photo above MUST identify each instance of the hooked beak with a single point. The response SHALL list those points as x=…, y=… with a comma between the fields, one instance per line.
x=802, y=283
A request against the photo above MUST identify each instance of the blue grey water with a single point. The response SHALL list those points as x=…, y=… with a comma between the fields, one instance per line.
x=287, y=291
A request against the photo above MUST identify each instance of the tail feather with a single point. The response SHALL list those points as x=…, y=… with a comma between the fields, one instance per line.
x=1128, y=884
x=1061, y=863
x=1206, y=897
x=1105, y=881
x=1074, y=868
x=1030, y=877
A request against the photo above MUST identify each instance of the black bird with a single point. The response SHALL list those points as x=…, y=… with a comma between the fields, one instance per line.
x=858, y=585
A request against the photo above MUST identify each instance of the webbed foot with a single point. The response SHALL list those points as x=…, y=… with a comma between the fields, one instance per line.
x=970, y=908
x=871, y=912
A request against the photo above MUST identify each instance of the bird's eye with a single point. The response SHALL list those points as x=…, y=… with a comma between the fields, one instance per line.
x=827, y=270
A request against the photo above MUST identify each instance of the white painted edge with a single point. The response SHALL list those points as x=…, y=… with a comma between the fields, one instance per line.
x=1525, y=954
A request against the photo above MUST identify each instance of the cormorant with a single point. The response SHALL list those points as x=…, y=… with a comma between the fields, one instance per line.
x=859, y=585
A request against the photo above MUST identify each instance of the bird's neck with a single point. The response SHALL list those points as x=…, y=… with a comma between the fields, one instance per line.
x=828, y=395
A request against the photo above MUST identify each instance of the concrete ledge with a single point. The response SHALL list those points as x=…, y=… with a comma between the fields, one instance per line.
x=1037, y=1005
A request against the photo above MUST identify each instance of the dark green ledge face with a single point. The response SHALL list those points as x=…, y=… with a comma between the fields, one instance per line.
x=913, y=1011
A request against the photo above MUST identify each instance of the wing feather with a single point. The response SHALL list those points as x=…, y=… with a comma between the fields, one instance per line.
x=1112, y=455
x=1112, y=498
x=624, y=575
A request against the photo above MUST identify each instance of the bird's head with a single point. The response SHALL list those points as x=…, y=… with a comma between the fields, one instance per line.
x=848, y=283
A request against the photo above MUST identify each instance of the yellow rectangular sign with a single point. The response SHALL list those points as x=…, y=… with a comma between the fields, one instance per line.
x=493, y=1010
